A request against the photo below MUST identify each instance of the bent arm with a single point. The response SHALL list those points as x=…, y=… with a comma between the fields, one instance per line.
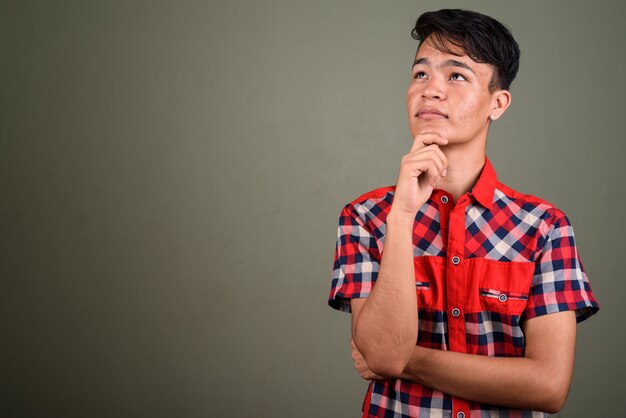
x=384, y=325
x=539, y=381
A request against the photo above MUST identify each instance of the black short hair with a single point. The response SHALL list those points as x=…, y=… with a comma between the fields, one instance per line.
x=481, y=37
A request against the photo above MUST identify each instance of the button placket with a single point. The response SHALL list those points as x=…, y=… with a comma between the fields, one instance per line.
x=456, y=282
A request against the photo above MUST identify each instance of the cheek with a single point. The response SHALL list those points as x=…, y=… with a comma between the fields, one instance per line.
x=410, y=98
x=472, y=109
x=413, y=91
x=413, y=100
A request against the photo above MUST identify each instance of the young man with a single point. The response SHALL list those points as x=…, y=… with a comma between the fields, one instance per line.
x=464, y=293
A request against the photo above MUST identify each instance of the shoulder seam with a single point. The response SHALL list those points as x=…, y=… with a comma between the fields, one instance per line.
x=376, y=193
x=519, y=195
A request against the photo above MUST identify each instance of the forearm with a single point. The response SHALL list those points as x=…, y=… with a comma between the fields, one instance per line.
x=515, y=382
x=386, y=328
x=385, y=325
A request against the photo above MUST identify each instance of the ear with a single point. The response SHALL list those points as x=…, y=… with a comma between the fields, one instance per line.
x=501, y=102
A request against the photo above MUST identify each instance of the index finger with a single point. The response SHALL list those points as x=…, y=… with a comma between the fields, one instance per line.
x=424, y=139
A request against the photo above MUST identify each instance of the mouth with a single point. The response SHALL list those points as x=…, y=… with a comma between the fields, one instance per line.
x=430, y=113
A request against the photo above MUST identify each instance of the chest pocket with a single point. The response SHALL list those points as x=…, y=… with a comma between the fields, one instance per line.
x=501, y=287
x=493, y=286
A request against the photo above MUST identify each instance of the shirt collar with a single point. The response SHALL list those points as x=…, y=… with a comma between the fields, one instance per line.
x=485, y=186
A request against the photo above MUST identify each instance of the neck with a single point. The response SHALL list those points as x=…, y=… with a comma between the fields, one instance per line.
x=464, y=168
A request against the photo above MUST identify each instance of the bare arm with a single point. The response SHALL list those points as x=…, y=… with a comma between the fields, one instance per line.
x=384, y=326
x=540, y=380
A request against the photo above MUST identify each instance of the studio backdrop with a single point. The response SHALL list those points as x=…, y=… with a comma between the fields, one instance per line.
x=172, y=172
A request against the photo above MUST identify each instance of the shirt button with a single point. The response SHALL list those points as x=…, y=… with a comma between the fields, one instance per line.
x=503, y=298
x=444, y=199
x=456, y=312
x=460, y=414
x=456, y=260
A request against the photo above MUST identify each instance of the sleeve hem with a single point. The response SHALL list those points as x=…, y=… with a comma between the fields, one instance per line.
x=582, y=312
x=341, y=302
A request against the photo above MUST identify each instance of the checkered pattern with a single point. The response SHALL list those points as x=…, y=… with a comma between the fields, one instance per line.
x=494, y=334
x=522, y=263
x=428, y=239
x=506, y=234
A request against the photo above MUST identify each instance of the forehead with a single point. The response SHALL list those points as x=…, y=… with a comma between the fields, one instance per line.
x=434, y=55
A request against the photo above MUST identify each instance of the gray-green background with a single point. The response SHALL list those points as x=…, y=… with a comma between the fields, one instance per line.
x=171, y=175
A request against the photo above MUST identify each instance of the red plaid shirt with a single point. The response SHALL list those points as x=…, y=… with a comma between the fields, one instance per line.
x=483, y=265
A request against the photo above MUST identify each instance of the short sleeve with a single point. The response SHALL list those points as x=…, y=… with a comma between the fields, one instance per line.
x=357, y=260
x=559, y=281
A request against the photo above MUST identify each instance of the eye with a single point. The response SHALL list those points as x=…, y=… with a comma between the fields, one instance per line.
x=420, y=74
x=457, y=77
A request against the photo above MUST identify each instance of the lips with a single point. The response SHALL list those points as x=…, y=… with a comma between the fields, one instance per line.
x=430, y=113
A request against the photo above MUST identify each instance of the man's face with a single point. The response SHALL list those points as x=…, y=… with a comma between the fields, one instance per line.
x=449, y=95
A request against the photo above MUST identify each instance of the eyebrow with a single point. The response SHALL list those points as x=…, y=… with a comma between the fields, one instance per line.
x=447, y=63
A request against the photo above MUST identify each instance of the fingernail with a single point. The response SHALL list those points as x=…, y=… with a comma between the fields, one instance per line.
x=444, y=172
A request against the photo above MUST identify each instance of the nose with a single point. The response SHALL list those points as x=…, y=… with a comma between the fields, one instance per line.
x=434, y=89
